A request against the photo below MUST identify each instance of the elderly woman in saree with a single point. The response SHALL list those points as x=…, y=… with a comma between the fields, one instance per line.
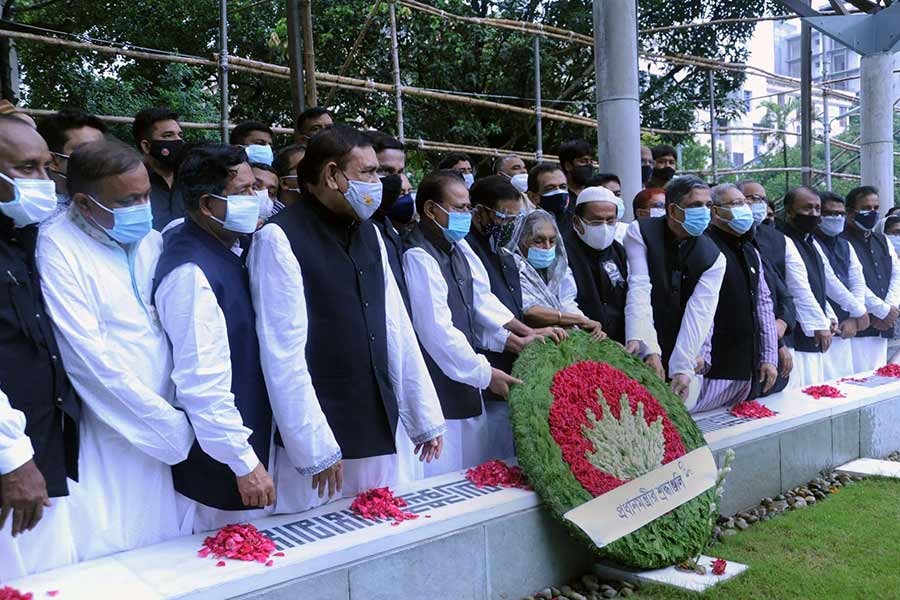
x=548, y=288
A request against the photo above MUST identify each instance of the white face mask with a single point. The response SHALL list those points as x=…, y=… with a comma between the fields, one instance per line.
x=266, y=206
x=520, y=182
x=33, y=201
x=598, y=237
x=364, y=197
x=241, y=213
x=657, y=212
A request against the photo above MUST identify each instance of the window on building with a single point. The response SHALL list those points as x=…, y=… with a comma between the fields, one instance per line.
x=839, y=61
x=747, y=96
x=737, y=159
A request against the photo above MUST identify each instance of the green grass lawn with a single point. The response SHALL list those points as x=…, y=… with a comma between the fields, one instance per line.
x=848, y=546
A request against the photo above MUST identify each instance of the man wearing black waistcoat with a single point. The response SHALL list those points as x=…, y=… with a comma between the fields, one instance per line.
x=598, y=261
x=812, y=338
x=395, y=214
x=882, y=274
x=846, y=289
x=674, y=275
x=202, y=294
x=345, y=375
x=771, y=245
x=744, y=346
x=39, y=411
x=454, y=312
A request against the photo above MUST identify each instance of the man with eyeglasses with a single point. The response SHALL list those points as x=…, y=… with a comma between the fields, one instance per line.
x=64, y=131
x=744, y=342
x=771, y=245
x=598, y=260
x=285, y=165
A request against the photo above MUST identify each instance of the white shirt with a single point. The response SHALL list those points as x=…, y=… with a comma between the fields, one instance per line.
x=276, y=283
x=810, y=315
x=15, y=447
x=447, y=345
x=490, y=332
x=195, y=325
x=699, y=313
x=875, y=305
x=115, y=351
x=851, y=300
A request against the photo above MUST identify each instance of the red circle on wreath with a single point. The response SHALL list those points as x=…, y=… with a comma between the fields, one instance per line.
x=578, y=421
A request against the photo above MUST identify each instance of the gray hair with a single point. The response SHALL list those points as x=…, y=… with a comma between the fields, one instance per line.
x=718, y=192
x=498, y=162
x=680, y=187
x=535, y=218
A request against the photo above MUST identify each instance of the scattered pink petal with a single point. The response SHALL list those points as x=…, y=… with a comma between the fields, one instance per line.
x=497, y=473
x=221, y=563
x=889, y=370
x=752, y=410
x=718, y=566
x=823, y=391
x=11, y=593
x=278, y=554
x=380, y=503
x=269, y=563
x=238, y=542
x=53, y=593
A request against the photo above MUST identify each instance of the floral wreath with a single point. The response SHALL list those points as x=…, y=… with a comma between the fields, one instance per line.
x=575, y=441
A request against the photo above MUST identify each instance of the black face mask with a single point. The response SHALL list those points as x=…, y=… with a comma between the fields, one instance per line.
x=166, y=151
x=581, y=175
x=807, y=223
x=867, y=219
x=556, y=202
x=391, y=188
x=646, y=172
x=769, y=222
x=663, y=175
x=403, y=209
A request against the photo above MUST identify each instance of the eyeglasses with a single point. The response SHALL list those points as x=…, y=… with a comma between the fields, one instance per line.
x=756, y=198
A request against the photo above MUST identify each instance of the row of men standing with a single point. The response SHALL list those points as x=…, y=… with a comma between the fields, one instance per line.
x=160, y=339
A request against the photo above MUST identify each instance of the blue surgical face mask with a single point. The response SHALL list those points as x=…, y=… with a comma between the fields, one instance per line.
x=895, y=241
x=741, y=219
x=832, y=225
x=760, y=210
x=241, y=212
x=130, y=224
x=33, y=201
x=259, y=153
x=469, y=179
x=458, y=225
x=696, y=220
x=541, y=258
x=364, y=197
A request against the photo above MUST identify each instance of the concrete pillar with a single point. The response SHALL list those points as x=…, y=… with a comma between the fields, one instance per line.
x=877, y=125
x=618, y=109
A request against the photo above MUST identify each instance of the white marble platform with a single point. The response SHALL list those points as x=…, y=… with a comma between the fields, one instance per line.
x=470, y=543
x=872, y=467
x=672, y=576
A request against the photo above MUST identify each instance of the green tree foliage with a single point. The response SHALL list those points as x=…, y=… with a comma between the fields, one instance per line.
x=434, y=53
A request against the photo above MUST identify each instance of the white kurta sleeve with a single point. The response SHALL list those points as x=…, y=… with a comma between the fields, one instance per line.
x=810, y=315
x=638, y=310
x=893, y=295
x=15, y=447
x=837, y=291
x=417, y=401
x=113, y=393
x=568, y=292
x=697, y=322
x=490, y=313
x=195, y=325
x=276, y=284
x=445, y=344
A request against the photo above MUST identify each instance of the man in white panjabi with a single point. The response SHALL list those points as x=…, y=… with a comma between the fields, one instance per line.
x=97, y=263
x=349, y=391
